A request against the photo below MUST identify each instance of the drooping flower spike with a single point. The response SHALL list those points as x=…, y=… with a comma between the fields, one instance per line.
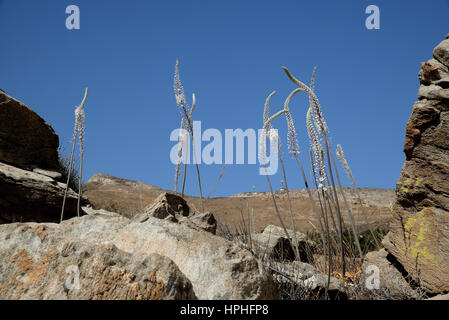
x=316, y=107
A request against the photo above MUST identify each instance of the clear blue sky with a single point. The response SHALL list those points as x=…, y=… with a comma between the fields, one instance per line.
x=230, y=53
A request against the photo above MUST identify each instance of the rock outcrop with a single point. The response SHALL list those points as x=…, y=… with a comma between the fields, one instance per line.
x=30, y=185
x=419, y=236
x=31, y=196
x=107, y=249
x=171, y=207
x=26, y=140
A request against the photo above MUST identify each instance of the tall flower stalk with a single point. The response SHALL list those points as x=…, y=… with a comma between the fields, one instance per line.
x=182, y=141
x=78, y=132
x=274, y=138
x=323, y=130
x=186, y=115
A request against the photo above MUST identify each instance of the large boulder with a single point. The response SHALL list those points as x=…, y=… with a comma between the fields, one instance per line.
x=83, y=271
x=419, y=236
x=116, y=248
x=26, y=140
x=33, y=196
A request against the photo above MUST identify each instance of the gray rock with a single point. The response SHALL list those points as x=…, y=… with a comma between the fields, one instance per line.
x=302, y=275
x=295, y=271
x=166, y=206
x=433, y=92
x=440, y=297
x=91, y=211
x=319, y=282
x=52, y=174
x=40, y=268
x=216, y=268
x=391, y=280
x=30, y=196
x=26, y=140
x=441, y=52
x=171, y=207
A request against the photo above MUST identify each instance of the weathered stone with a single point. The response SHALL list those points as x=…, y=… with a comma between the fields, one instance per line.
x=26, y=140
x=52, y=174
x=434, y=92
x=90, y=210
x=441, y=52
x=391, y=281
x=422, y=117
x=318, y=284
x=171, y=207
x=166, y=206
x=295, y=270
x=419, y=232
x=216, y=268
x=432, y=71
x=36, y=267
x=204, y=221
x=273, y=243
x=30, y=196
x=303, y=275
x=440, y=297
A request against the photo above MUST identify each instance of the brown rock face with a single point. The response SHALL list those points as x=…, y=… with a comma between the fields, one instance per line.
x=419, y=236
x=26, y=140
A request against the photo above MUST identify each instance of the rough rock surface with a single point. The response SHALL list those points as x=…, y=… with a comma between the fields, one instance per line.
x=26, y=140
x=216, y=268
x=31, y=196
x=274, y=243
x=43, y=269
x=171, y=207
x=391, y=280
x=318, y=283
x=419, y=236
x=306, y=276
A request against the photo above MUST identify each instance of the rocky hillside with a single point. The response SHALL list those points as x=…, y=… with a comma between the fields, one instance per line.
x=131, y=197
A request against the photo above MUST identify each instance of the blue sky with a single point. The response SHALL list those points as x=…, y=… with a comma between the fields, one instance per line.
x=230, y=53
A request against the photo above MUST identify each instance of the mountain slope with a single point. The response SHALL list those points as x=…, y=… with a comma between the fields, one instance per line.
x=131, y=197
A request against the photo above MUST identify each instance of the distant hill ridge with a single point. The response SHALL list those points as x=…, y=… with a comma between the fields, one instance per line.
x=130, y=197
